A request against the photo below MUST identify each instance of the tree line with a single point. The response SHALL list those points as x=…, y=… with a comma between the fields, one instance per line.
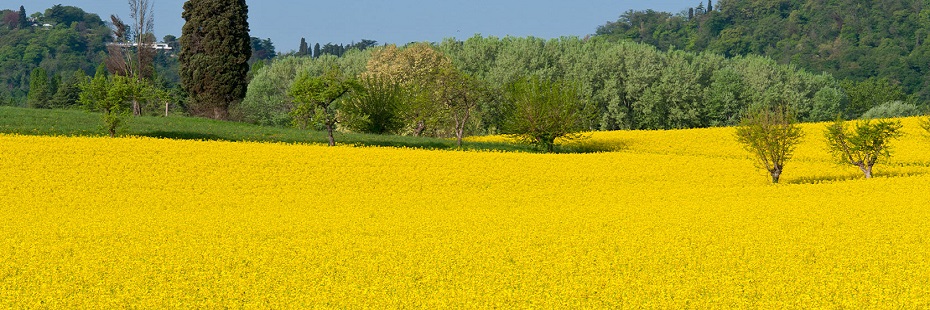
x=337, y=50
x=626, y=85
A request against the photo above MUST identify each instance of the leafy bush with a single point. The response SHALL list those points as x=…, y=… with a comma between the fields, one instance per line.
x=541, y=111
x=892, y=109
x=110, y=96
x=375, y=108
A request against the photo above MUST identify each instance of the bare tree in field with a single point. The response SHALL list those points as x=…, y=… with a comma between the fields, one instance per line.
x=771, y=135
x=134, y=52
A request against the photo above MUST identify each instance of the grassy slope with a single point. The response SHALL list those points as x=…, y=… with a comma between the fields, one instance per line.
x=80, y=123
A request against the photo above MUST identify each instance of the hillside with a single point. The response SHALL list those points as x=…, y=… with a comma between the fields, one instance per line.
x=61, y=41
x=847, y=38
x=68, y=44
x=675, y=219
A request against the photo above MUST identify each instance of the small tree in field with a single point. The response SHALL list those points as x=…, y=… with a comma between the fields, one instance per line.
x=458, y=95
x=771, y=135
x=112, y=97
x=316, y=98
x=539, y=112
x=865, y=145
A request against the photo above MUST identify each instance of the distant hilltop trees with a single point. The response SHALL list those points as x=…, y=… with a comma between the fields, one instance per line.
x=332, y=49
x=854, y=40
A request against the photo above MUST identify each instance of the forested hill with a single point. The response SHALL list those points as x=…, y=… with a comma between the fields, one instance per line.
x=849, y=38
x=60, y=41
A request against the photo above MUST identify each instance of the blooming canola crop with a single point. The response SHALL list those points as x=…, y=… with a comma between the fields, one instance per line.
x=668, y=219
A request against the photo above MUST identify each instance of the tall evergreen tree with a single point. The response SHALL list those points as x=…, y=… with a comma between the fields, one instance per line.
x=215, y=49
x=316, y=50
x=23, y=19
x=710, y=6
x=38, y=89
x=69, y=92
x=304, y=49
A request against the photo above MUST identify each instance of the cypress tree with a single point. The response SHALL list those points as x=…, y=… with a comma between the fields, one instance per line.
x=215, y=50
x=316, y=50
x=710, y=6
x=23, y=19
x=38, y=89
x=304, y=49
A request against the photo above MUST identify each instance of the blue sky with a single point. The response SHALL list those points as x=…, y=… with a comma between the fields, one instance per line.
x=391, y=21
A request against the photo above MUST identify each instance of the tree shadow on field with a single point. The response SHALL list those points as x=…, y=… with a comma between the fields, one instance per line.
x=182, y=135
x=418, y=145
x=586, y=146
x=849, y=177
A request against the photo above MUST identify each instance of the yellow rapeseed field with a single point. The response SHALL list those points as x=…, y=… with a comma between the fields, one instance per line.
x=670, y=219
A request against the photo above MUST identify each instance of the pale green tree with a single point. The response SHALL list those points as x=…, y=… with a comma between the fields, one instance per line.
x=459, y=95
x=892, y=109
x=110, y=96
x=771, y=134
x=416, y=69
x=317, y=98
x=541, y=111
x=266, y=103
x=863, y=146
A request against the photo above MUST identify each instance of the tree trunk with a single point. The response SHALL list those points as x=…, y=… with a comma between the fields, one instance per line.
x=550, y=145
x=419, y=130
x=458, y=135
x=136, y=108
x=867, y=170
x=219, y=113
x=332, y=141
x=776, y=175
